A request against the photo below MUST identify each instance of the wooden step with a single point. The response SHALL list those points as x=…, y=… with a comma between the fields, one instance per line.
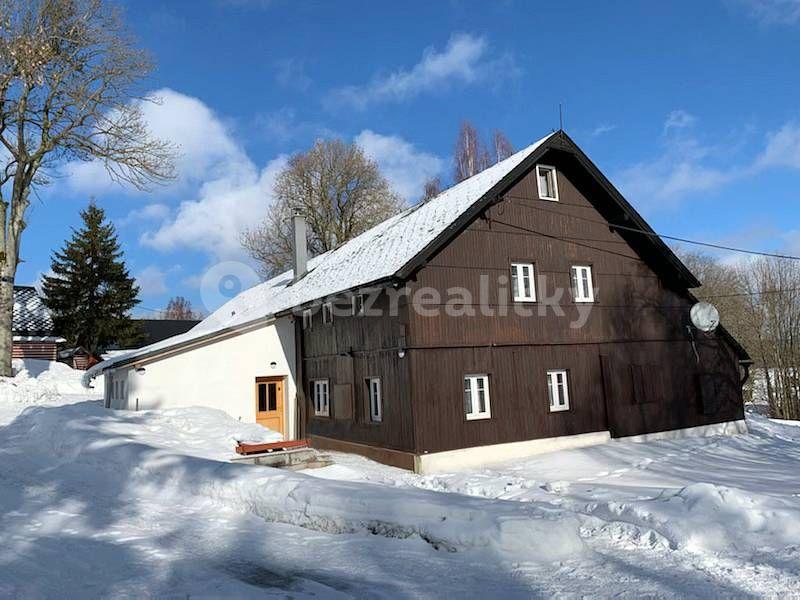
x=246, y=449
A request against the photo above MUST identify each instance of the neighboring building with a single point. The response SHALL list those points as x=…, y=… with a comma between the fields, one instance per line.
x=77, y=358
x=32, y=326
x=447, y=373
x=156, y=330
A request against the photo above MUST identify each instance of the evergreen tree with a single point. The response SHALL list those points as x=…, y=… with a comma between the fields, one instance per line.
x=91, y=293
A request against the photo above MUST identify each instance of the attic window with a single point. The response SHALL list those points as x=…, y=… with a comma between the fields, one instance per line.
x=327, y=313
x=358, y=304
x=548, y=184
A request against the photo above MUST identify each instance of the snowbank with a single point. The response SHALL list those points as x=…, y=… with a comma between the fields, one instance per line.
x=57, y=377
x=108, y=446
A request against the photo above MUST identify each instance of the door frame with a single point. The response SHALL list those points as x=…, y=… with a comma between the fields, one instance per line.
x=273, y=379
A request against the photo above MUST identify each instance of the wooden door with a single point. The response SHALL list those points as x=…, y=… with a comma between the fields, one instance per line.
x=269, y=403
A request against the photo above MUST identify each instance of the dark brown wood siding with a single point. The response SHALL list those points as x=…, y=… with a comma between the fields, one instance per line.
x=38, y=350
x=638, y=323
x=346, y=353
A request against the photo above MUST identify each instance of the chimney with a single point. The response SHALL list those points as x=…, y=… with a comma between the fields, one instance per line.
x=300, y=246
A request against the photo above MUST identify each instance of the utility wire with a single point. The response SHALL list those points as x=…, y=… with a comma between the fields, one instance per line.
x=660, y=235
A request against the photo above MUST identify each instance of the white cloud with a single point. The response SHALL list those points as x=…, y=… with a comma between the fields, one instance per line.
x=782, y=149
x=678, y=119
x=602, y=128
x=206, y=146
x=463, y=61
x=151, y=281
x=404, y=166
x=686, y=165
x=224, y=207
x=290, y=73
x=773, y=12
x=151, y=212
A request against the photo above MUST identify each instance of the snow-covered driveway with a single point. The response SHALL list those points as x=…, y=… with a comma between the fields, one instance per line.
x=97, y=503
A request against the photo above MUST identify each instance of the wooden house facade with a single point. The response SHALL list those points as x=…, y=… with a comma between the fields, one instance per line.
x=526, y=309
x=556, y=364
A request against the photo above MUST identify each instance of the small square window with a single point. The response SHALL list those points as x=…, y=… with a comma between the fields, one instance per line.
x=327, y=313
x=522, y=282
x=358, y=304
x=476, y=397
x=308, y=320
x=319, y=393
x=582, y=285
x=558, y=390
x=375, y=399
x=547, y=181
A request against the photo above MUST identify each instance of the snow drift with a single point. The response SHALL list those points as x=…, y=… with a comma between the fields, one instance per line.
x=92, y=444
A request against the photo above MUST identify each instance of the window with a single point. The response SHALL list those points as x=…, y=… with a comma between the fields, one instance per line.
x=558, y=390
x=358, y=304
x=262, y=397
x=476, y=397
x=548, y=184
x=375, y=399
x=327, y=313
x=307, y=319
x=522, y=282
x=582, y=289
x=319, y=392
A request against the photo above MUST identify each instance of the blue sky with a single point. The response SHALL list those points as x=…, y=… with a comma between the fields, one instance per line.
x=692, y=109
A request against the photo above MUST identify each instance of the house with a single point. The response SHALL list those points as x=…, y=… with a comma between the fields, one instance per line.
x=156, y=330
x=525, y=309
x=77, y=358
x=32, y=326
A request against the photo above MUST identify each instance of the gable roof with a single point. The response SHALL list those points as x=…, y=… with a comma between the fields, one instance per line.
x=393, y=250
x=30, y=317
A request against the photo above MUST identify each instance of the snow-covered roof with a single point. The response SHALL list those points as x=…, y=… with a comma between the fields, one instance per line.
x=375, y=255
x=30, y=317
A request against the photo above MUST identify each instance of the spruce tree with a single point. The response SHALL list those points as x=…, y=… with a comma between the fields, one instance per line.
x=91, y=292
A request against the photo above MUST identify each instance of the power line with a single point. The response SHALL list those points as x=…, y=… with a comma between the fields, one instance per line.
x=660, y=235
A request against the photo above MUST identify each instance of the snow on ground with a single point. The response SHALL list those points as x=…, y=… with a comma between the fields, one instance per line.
x=101, y=503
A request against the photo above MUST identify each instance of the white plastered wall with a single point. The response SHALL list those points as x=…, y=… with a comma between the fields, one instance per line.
x=218, y=374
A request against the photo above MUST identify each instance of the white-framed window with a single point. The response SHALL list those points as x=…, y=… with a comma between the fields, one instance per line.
x=358, y=304
x=476, y=397
x=522, y=282
x=327, y=313
x=548, y=182
x=319, y=391
x=375, y=399
x=308, y=319
x=582, y=286
x=558, y=390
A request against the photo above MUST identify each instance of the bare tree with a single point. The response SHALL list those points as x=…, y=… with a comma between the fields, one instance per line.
x=68, y=71
x=432, y=188
x=179, y=308
x=501, y=146
x=773, y=292
x=338, y=189
x=470, y=156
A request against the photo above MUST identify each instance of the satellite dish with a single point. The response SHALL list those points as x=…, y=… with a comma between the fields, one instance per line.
x=704, y=316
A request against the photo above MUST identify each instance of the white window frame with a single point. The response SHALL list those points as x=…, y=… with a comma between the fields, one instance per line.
x=471, y=384
x=327, y=313
x=358, y=304
x=322, y=402
x=375, y=392
x=540, y=170
x=558, y=379
x=580, y=274
x=308, y=320
x=518, y=275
